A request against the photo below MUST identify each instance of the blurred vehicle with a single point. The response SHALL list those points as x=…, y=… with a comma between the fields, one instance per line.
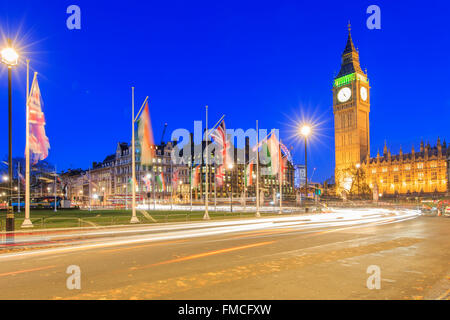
x=39, y=203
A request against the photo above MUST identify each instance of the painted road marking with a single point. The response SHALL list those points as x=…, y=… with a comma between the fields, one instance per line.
x=205, y=254
x=25, y=271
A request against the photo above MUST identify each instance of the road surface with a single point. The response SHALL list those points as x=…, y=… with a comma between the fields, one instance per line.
x=317, y=256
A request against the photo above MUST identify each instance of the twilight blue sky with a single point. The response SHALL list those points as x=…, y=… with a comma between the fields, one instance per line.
x=267, y=60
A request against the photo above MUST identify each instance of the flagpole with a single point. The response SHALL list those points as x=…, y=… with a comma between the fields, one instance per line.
x=134, y=218
x=245, y=185
x=171, y=180
x=206, y=216
x=257, y=171
x=215, y=188
x=27, y=222
x=154, y=192
x=190, y=183
x=280, y=176
x=18, y=186
x=90, y=208
x=54, y=190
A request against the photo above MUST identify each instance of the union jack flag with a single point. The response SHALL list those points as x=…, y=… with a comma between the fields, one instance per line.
x=220, y=138
x=220, y=175
x=175, y=177
x=38, y=141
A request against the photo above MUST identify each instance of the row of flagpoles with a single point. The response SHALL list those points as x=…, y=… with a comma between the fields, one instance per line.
x=38, y=143
x=218, y=133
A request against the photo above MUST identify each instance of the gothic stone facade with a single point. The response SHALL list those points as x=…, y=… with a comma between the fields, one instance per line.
x=426, y=171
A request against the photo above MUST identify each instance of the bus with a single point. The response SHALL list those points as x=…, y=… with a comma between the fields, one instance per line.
x=47, y=202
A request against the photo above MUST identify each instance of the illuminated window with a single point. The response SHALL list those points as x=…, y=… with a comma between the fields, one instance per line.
x=384, y=169
x=395, y=168
x=407, y=167
x=374, y=170
x=434, y=175
x=420, y=165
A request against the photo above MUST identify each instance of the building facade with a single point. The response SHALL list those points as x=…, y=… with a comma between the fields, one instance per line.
x=109, y=182
x=351, y=107
x=423, y=172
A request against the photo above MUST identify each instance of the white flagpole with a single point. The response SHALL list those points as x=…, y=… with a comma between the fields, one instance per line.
x=54, y=190
x=257, y=171
x=18, y=186
x=154, y=192
x=206, y=216
x=190, y=183
x=27, y=222
x=171, y=180
x=134, y=218
x=90, y=208
x=215, y=188
x=280, y=176
x=245, y=185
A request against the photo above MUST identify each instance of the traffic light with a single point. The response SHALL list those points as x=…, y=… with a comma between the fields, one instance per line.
x=317, y=191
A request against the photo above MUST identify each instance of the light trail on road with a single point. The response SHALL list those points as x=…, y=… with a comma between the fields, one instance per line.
x=126, y=235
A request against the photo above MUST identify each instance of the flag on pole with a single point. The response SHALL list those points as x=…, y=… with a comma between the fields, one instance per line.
x=273, y=150
x=220, y=175
x=38, y=140
x=145, y=136
x=249, y=174
x=160, y=181
x=286, y=151
x=136, y=186
x=175, y=178
x=220, y=138
x=147, y=183
x=21, y=178
x=196, y=176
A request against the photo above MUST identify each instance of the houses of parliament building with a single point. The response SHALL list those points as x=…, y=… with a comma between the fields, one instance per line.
x=422, y=171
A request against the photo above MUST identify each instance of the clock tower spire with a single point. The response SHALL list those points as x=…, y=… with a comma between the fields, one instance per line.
x=351, y=107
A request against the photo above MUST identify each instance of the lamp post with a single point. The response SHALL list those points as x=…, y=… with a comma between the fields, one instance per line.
x=230, y=166
x=10, y=59
x=305, y=131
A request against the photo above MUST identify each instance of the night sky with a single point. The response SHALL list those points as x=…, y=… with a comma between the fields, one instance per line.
x=273, y=61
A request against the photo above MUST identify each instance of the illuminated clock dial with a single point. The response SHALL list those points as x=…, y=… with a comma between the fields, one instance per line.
x=363, y=93
x=344, y=94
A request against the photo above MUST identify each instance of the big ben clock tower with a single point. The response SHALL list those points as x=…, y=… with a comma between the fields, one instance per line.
x=351, y=107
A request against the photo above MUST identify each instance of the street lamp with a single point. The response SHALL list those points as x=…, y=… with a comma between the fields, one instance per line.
x=305, y=131
x=230, y=166
x=10, y=58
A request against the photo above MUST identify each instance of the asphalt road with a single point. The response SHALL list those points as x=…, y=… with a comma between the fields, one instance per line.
x=323, y=256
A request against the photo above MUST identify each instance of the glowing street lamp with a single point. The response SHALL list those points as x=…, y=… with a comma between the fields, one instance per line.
x=10, y=58
x=305, y=131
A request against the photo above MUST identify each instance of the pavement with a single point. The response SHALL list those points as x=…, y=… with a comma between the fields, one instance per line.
x=316, y=256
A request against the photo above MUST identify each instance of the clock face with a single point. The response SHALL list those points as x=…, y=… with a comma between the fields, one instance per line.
x=344, y=94
x=363, y=93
